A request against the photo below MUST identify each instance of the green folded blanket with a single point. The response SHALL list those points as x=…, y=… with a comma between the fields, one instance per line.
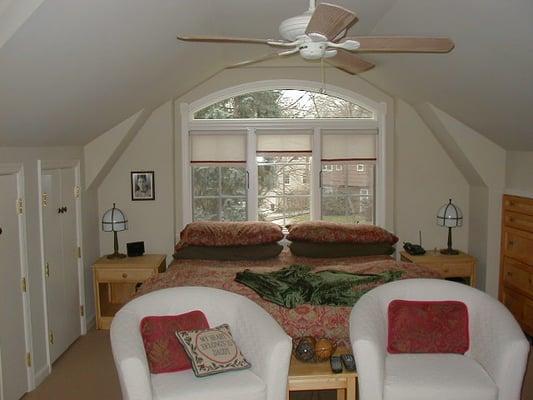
x=295, y=285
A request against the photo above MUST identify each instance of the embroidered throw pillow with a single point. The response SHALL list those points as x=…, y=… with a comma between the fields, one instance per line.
x=212, y=351
x=332, y=232
x=428, y=327
x=163, y=351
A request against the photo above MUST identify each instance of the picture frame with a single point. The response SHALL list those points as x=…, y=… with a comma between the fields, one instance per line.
x=142, y=185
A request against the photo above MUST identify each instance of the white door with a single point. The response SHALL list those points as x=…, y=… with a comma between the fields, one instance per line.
x=60, y=250
x=12, y=332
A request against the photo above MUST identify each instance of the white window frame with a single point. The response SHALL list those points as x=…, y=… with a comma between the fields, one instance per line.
x=315, y=126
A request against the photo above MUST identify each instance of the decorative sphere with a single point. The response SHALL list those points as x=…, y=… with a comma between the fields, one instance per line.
x=305, y=350
x=324, y=349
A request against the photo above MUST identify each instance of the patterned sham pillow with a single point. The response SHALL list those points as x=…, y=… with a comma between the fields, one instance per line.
x=212, y=351
x=215, y=233
x=332, y=232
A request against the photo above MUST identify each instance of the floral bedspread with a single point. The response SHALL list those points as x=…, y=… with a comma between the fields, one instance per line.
x=304, y=320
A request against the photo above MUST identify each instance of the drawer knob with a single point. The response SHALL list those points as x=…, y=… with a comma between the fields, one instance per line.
x=511, y=243
x=124, y=275
x=509, y=274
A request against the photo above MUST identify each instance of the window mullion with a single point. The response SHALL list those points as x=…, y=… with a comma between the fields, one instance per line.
x=251, y=168
x=316, y=168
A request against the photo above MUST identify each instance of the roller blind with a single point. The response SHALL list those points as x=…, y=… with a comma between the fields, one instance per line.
x=218, y=147
x=286, y=142
x=349, y=145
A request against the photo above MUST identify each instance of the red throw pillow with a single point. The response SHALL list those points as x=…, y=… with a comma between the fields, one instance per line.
x=163, y=349
x=428, y=327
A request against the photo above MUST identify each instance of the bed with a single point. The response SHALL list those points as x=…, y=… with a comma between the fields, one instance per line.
x=304, y=320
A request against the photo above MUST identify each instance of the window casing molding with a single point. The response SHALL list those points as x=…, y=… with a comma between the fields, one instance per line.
x=315, y=126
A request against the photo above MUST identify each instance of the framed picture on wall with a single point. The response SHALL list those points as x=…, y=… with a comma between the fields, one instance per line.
x=142, y=185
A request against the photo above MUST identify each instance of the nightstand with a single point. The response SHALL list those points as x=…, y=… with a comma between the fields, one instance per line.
x=449, y=266
x=116, y=281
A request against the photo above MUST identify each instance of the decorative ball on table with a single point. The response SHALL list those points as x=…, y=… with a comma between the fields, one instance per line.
x=305, y=349
x=324, y=349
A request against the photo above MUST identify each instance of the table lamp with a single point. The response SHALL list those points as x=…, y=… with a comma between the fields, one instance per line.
x=449, y=216
x=114, y=220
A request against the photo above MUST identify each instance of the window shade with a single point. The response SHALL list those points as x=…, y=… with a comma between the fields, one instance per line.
x=349, y=145
x=218, y=147
x=285, y=142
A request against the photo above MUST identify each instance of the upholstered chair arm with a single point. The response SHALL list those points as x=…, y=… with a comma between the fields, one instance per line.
x=266, y=345
x=368, y=335
x=130, y=357
x=499, y=345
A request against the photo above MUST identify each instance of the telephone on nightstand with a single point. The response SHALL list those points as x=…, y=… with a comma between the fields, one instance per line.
x=415, y=249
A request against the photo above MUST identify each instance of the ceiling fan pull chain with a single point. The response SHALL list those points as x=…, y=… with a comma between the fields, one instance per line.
x=323, y=73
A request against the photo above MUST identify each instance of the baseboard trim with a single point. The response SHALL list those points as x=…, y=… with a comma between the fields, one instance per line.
x=90, y=322
x=41, y=375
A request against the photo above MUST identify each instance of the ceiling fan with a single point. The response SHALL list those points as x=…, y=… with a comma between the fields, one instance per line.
x=320, y=33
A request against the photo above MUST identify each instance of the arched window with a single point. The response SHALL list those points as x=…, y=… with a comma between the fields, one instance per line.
x=282, y=155
x=284, y=104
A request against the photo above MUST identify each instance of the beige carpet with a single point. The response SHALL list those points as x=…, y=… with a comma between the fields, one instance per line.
x=86, y=372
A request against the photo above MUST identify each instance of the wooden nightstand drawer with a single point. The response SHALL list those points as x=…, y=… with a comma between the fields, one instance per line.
x=459, y=269
x=517, y=275
x=514, y=302
x=124, y=275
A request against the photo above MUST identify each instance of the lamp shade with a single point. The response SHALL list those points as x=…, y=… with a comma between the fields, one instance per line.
x=450, y=216
x=114, y=220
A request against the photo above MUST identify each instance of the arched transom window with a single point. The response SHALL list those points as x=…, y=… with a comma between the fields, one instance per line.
x=281, y=155
x=284, y=104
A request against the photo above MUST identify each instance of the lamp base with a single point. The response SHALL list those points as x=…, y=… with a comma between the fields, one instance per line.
x=115, y=256
x=449, y=252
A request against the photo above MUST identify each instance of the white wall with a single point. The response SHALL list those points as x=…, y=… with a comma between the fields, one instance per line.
x=519, y=176
x=425, y=179
x=29, y=156
x=152, y=149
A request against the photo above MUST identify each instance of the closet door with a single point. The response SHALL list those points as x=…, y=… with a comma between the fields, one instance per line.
x=60, y=248
x=52, y=238
x=72, y=327
x=12, y=332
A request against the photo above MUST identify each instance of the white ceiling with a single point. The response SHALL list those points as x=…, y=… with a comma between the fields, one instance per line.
x=76, y=68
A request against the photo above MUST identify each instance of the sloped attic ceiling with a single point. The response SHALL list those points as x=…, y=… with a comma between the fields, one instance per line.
x=76, y=68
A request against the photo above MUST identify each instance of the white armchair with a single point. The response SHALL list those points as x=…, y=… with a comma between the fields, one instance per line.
x=492, y=369
x=262, y=341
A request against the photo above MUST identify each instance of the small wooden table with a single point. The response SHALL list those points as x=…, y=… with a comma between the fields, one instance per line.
x=318, y=376
x=115, y=282
x=448, y=266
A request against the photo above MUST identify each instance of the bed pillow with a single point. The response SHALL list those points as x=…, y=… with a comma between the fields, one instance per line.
x=335, y=250
x=332, y=232
x=212, y=351
x=208, y=233
x=229, y=253
x=163, y=351
x=428, y=327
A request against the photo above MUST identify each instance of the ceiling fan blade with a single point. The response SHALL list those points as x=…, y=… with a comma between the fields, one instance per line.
x=330, y=20
x=403, y=44
x=349, y=62
x=223, y=39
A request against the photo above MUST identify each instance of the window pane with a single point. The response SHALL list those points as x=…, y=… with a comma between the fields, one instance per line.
x=284, y=188
x=348, y=192
x=284, y=103
x=205, y=181
x=233, y=181
x=219, y=193
x=205, y=209
x=234, y=209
